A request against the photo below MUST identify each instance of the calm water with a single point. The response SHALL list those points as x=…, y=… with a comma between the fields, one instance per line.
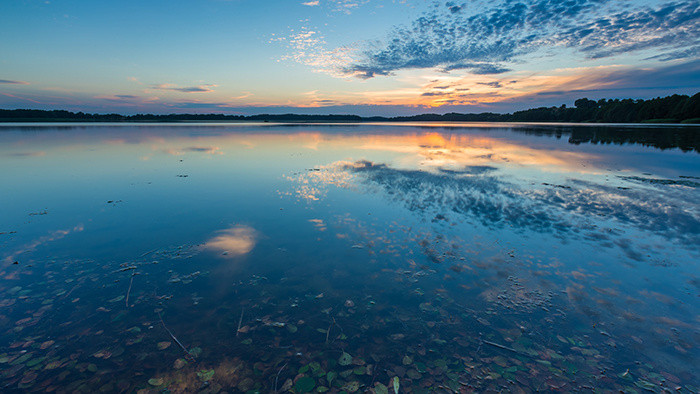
x=235, y=258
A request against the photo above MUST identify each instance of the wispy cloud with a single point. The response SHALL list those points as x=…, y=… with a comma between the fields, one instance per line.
x=347, y=6
x=20, y=98
x=127, y=99
x=189, y=89
x=495, y=84
x=243, y=96
x=27, y=154
x=11, y=82
x=308, y=46
x=199, y=105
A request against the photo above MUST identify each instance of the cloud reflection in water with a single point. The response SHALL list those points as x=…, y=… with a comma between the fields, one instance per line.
x=579, y=209
x=233, y=242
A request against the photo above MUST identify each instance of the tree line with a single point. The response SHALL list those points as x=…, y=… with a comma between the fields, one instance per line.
x=671, y=109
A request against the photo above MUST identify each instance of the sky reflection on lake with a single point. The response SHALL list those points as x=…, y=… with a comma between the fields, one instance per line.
x=470, y=258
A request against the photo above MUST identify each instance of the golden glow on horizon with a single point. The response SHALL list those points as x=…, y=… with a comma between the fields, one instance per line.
x=459, y=151
x=431, y=149
x=422, y=90
x=411, y=88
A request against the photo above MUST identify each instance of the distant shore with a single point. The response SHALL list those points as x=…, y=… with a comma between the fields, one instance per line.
x=660, y=122
x=675, y=109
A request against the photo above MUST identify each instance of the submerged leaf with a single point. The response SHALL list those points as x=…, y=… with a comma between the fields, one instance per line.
x=196, y=351
x=395, y=383
x=205, y=375
x=29, y=377
x=380, y=389
x=345, y=359
x=351, y=387
x=46, y=344
x=305, y=384
x=330, y=377
x=164, y=345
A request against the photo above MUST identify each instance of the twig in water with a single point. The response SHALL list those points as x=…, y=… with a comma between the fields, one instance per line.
x=510, y=349
x=374, y=373
x=71, y=290
x=278, y=376
x=131, y=282
x=328, y=332
x=149, y=252
x=188, y=356
x=240, y=321
x=335, y=323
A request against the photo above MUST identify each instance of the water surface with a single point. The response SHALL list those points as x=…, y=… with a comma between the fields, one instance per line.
x=263, y=257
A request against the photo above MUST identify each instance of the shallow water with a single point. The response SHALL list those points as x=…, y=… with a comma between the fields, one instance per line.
x=263, y=257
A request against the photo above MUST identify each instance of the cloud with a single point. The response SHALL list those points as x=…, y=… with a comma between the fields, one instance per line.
x=199, y=105
x=127, y=99
x=477, y=68
x=7, y=81
x=346, y=6
x=494, y=85
x=20, y=98
x=308, y=46
x=28, y=154
x=607, y=82
x=134, y=79
x=547, y=88
x=450, y=37
x=190, y=89
x=689, y=53
x=243, y=96
x=674, y=76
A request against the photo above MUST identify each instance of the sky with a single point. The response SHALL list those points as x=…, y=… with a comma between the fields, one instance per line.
x=365, y=57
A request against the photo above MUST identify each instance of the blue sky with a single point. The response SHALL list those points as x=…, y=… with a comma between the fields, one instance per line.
x=342, y=56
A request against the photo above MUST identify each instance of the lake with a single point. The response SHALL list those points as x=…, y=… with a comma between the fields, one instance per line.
x=349, y=258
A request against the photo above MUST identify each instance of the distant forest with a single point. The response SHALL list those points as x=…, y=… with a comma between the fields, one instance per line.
x=671, y=109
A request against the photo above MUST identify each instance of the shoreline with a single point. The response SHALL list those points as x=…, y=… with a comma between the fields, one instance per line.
x=338, y=122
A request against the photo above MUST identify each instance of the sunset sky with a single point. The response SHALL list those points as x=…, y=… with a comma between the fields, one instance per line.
x=367, y=57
